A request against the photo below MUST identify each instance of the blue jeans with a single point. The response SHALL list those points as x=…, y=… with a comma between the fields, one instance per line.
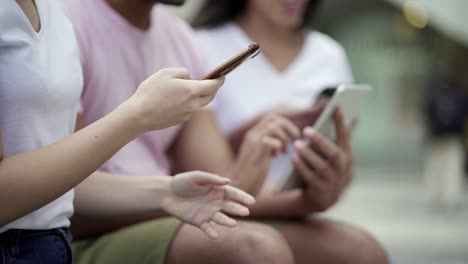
x=18, y=246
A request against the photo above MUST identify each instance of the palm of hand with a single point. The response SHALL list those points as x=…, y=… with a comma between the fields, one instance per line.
x=199, y=204
x=200, y=199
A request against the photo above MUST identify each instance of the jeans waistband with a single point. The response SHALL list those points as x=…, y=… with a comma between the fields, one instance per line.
x=14, y=234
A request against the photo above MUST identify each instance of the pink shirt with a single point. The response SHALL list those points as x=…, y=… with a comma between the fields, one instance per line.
x=116, y=57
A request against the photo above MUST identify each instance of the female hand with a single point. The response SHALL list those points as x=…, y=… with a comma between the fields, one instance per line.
x=169, y=97
x=202, y=199
x=261, y=143
x=301, y=117
x=326, y=167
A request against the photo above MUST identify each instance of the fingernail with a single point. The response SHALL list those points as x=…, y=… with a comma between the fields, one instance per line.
x=299, y=144
x=308, y=131
x=246, y=212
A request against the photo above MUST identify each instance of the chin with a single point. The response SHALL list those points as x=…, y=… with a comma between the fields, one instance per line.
x=290, y=23
x=170, y=2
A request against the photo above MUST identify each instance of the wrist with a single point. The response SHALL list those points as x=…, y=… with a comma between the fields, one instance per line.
x=163, y=190
x=131, y=118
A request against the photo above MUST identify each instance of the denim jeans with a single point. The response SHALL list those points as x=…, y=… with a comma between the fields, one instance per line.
x=18, y=246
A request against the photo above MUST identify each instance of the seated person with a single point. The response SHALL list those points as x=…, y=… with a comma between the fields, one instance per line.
x=136, y=37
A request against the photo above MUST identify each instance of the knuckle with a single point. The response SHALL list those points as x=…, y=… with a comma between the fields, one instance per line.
x=335, y=155
x=271, y=126
x=321, y=167
x=270, y=117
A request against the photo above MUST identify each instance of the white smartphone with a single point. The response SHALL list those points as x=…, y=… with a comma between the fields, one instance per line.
x=350, y=98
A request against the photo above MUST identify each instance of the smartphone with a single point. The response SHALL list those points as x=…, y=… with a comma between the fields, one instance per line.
x=250, y=52
x=350, y=98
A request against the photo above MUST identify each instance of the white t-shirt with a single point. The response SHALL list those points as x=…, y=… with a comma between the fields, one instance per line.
x=40, y=85
x=257, y=86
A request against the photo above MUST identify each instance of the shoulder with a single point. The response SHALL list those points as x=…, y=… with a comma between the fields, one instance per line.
x=9, y=18
x=326, y=44
x=332, y=52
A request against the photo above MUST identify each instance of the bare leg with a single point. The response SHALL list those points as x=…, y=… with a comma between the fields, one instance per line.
x=247, y=243
x=325, y=241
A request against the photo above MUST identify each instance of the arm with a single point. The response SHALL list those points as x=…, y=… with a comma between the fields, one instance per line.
x=316, y=198
x=55, y=169
x=202, y=146
x=86, y=224
x=300, y=117
x=191, y=151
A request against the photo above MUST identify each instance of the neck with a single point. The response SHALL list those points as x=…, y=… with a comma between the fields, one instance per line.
x=263, y=31
x=137, y=12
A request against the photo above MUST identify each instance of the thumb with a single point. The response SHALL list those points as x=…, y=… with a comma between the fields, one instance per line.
x=203, y=178
x=178, y=73
x=209, y=87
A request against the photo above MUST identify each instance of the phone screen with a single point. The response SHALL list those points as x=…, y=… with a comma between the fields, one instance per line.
x=225, y=68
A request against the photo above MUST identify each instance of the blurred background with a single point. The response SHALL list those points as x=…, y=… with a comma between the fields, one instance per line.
x=411, y=142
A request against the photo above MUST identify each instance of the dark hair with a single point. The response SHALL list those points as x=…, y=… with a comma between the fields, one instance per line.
x=217, y=12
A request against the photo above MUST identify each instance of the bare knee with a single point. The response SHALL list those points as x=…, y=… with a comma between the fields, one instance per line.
x=247, y=243
x=356, y=246
x=263, y=244
x=333, y=242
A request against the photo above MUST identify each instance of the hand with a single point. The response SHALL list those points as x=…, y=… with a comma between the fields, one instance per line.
x=299, y=116
x=200, y=198
x=261, y=143
x=272, y=134
x=326, y=170
x=169, y=97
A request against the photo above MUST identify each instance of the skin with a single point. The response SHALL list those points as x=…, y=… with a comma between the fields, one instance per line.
x=164, y=99
x=249, y=162
x=270, y=25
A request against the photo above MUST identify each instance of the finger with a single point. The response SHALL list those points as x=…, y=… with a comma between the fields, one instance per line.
x=308, y=156
x=178, y=73
x=342, y=132
x=272, y=144
x=202, y=101
x=209, y=230
x=208, y=87
x=235, y=209
x=239, y=196
x=307, y=174
x=324, y=146
x=204, y=178
x=308, y=116
x=289, y=127
x=224, y=220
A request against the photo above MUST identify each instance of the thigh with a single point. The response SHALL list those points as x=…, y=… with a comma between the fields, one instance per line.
x=141, y=243
x=249, y=242
x=328, y=241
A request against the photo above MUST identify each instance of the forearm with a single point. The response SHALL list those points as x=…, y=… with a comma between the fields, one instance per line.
x=49, y=172
x=108, y=195
x=237, y=136
x=247, y=173
x=289, y=204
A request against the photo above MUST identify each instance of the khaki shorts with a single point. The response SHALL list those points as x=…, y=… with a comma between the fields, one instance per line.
x=147, y=242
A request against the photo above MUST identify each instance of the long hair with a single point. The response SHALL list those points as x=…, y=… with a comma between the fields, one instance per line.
x=214, y=13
